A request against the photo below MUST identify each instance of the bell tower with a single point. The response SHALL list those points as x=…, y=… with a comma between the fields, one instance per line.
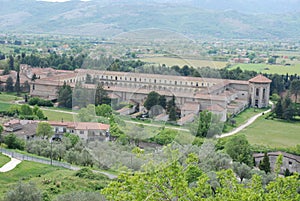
x=259, y=90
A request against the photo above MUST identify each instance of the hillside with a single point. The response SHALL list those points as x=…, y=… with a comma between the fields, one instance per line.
x=205, y=18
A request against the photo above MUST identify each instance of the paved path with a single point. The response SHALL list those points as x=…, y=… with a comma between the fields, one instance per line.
x=241, y=127
x=10, y=165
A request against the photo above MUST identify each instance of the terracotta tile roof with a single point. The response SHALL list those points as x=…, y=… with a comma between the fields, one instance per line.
x=91, y=126
x=260, y=79
x=216, y=108
x=191, y=106
x=189, y=117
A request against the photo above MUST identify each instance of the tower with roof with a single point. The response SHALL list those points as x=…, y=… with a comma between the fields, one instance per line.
x=259, y=90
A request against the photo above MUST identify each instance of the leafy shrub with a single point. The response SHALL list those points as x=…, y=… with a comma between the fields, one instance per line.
x=40, y=102
x=13, y=142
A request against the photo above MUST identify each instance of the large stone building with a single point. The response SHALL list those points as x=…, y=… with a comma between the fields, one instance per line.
x=193, y=94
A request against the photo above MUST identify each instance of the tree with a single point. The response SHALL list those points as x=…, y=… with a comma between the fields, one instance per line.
x=104, y=110
x=13, y=142
x=87, y=114
x=101, y=96
x=17, y=84
x=264, y=164
x=206, y=125
x=24, y=192
x=88, y=79
x=44, y=130
x=1, y=130
x=9, y=84
x=65, y=96
x=162, y=101
x=242, y=170
x=151, y=100
x=295, y=89
x=278, y=164
x=11, y=62
x=239, y=149
x=172, y=114
x=279, y=109
x=26, y=110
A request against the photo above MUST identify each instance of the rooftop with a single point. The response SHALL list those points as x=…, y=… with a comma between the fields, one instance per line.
x=260, y=79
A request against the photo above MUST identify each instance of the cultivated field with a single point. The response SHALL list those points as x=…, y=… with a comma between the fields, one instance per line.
x=170, y=61
x=273, y=133
x=271, y=69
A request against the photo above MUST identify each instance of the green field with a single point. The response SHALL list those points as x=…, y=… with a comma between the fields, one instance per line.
x=273, y=133
x=3, y=159
x=4, y=97
x=170, y=61
x=58, y=116
x=49, y=179
x=271, y=69
x=242, y=118
x=4, y=106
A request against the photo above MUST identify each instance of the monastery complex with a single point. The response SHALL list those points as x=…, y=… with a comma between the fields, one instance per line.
x=193, y=94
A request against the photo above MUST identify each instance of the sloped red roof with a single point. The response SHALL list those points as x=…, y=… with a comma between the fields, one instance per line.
x=215, y=107
x=260, y=79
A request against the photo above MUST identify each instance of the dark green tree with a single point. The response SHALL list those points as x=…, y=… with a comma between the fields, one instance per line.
x=101, y=96
x=11, y=62
x=152, y=100
x=264, y=164
x=9, y=87
x=239, y=149
x=17, y=84
x=13, y=142
x=172, y=114
x=295, y=89
x=279, y=109
x=65, y=96
x=88, y=79
x=1, y=130
x=6, y=71
x=162, y=101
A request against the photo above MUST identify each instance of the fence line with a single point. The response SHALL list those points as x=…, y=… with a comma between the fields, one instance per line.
x=22, y=157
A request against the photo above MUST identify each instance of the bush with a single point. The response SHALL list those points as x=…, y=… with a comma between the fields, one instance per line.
x=40, y=102
x=13, y=142
x=24, y=192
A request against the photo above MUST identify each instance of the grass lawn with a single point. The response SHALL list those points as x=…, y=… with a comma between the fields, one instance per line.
x=4, y=97
x=262, y=68
x=58, y=116
x=3, y=159
x=51, y=180
x=4, y=106
x=170, y=61
x=273, y=133
x=242, y=118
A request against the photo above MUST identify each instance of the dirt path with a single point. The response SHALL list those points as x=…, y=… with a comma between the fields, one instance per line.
x=10, y=165
x=241, y=127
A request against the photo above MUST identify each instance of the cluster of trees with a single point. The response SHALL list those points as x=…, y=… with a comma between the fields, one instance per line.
x=185, y=180
x=57, y=61
x=286, y=109
x=16, y=87
x=156, y=103
x=26, y=112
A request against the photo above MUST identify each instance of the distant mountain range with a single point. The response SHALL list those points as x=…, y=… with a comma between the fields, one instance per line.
x=255, y=19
